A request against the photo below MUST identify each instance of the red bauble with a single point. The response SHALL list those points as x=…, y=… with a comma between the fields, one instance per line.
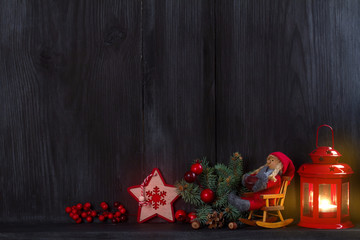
x=93, y=213
x=123, y=210
x=110, y=216
x=89, y=219
x=87, y=205
x=104, y=205
x=180, y=215
x=190, y=177
x=68, y=209
x=191, y=217
x=84, y=214
x=196, y=168
x=207, y=196
x=78, y=220
x=117, y=214
x=79, y=206
x=101, y=218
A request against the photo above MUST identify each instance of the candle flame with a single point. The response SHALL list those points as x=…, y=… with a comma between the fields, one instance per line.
x=326, y=206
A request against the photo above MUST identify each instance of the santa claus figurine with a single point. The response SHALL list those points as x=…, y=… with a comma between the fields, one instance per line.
x=264, y=180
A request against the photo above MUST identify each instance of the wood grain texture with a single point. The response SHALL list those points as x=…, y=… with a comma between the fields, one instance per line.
x=95, y=94
x=283, y=69
x=71, y=104
x=179, y=78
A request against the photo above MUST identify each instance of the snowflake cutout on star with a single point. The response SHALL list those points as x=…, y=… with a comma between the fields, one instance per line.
x=156, y=198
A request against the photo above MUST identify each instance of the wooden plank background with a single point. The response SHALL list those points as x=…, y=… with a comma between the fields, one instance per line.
x=95, y=94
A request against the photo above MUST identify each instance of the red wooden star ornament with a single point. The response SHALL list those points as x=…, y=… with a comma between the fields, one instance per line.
x=155, y=198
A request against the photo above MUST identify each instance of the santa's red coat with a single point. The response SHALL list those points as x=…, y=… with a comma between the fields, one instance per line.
x=256, y=202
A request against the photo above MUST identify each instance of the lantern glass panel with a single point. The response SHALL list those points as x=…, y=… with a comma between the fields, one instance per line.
x=327, y=201
x=345, y=198
x=308, y=194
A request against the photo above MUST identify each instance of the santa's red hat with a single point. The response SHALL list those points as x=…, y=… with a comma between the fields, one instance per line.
x=288, y=166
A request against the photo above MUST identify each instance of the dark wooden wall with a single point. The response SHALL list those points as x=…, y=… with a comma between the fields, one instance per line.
x=95, y=94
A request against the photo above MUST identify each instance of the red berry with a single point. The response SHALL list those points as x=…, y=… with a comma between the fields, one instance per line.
x=190, y=176
x=110, y=215
x=79, y=206
x=78, y=220
x=87, y=205
x=74, y=207
x=191, y=217
x=76, y=216
x=68, y=209
x=89, y=219
x=180, y=215
x=207, y=196
x=105, y=214
x=74, y=211
x=116, y=204
x=84, y=215
x=121, y=206
x=196, y=168
x=101, y=218
x=71, y=214
x=104, y=205
x=123, y=218
x=118, y=219
x=93, y=213
x=123, y=211
x=117, y=214
x=113, y=220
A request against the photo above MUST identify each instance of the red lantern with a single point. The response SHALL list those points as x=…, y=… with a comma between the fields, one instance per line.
x=324, y=189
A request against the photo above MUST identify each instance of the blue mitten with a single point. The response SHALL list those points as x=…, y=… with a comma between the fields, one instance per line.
x=262, y=175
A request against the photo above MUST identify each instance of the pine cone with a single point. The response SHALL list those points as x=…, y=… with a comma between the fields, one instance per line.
x=215, y=220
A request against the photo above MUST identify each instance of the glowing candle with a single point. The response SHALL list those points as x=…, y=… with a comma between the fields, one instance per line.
x=326, y=209
x=326, y=206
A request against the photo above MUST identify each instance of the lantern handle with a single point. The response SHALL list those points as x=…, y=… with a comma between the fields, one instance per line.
x=317, y=134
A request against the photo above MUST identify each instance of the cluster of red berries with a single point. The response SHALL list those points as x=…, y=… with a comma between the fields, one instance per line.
x=181, y=216
x=207, y=195
x=196, y=169
x=80, y=211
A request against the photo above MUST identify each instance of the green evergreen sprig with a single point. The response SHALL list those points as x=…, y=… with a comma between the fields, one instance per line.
x=202, y=213
x=208, y=178
x=189, y=192
x=222, y=180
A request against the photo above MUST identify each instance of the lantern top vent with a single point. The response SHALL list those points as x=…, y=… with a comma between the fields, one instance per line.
x=325, y=154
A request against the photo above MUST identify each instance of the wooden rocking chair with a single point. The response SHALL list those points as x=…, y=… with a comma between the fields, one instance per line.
x=267, y=219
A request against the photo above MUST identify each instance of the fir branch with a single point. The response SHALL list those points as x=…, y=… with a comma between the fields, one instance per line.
x=236, y=166
x=208, y=178
x=221, y=200
x=202, y=213
x=189, y=192
x=222, y=170
x=231, y=214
